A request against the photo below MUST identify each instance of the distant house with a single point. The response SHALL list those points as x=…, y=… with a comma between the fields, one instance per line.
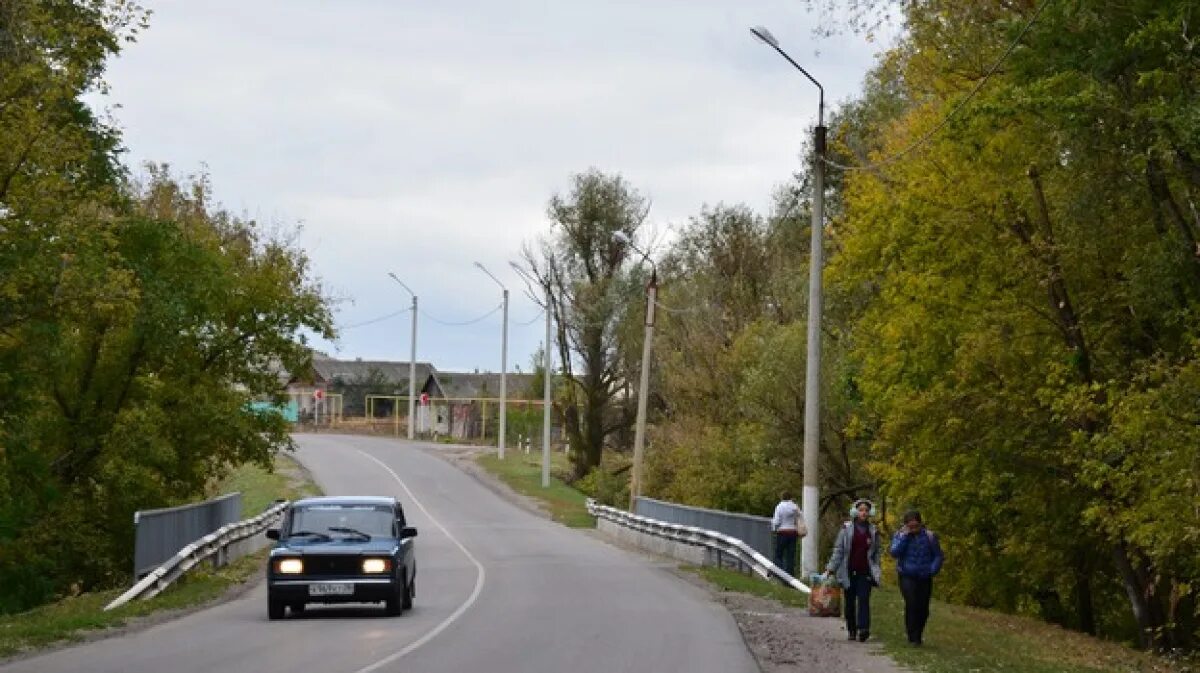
x=466, y=405
x=354, y=380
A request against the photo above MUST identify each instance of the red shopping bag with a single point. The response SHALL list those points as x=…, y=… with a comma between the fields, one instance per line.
x=825, y=599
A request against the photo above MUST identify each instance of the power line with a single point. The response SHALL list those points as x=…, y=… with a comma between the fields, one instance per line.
x=372, y=321
x=465, y=322
x=957, y=108
x=533, y=319
x=680, y=311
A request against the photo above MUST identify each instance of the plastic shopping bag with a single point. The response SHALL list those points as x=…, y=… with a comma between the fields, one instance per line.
x=826, y=597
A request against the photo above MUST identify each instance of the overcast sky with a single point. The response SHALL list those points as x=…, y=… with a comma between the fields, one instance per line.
x=420, y=137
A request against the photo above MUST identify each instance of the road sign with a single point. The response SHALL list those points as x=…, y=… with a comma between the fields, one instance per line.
x=318, y=394
x=424, y=398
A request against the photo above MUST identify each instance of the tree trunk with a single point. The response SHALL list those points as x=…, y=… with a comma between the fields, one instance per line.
x=1083, y=596
x=1139, y=590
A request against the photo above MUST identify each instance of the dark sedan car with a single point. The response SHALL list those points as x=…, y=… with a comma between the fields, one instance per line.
x=342, y=549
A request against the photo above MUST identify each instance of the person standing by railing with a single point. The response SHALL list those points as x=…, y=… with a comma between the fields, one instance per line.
x=788, y=525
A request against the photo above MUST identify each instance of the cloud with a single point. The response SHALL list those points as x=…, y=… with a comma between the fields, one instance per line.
x=420, y=137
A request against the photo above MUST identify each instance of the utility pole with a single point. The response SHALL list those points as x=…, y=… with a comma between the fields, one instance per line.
x=810, y=544
x=639, y=433
x=412, y=361
x=548, y=375
x=548, y=371
x=503, y=363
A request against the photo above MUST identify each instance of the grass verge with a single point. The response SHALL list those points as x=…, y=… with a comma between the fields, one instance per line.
x=81, y=617
x=962, y=639
x=523, y=473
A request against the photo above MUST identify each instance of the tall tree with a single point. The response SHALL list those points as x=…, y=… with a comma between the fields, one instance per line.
x=1031, y=277
x=592, y=293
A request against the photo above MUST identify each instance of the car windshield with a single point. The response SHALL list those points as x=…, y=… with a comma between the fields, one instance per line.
x=340, y=521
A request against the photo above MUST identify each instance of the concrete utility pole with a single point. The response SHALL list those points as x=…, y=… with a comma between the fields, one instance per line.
x=810, y=544
x=548, y=375
x=503, y=363
x=412, y=361
x=548, y=371
x=639, y=433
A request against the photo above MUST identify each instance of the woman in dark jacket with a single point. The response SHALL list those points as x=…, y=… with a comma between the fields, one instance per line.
x=918, y=558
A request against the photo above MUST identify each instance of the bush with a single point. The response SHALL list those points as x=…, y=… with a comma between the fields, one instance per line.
x=608, y=482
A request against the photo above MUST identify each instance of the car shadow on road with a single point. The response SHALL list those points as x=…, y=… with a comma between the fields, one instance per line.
x=357, y=611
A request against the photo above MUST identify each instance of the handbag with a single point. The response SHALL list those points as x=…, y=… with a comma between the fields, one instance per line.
x=826, y=597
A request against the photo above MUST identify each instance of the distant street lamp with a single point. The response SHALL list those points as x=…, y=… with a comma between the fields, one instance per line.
x=412, y=359
x=639, y=434
x=503, y=363
x=548, y=375
x=812, y=379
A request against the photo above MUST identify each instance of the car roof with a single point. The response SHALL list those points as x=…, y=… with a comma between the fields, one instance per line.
x=346, y=500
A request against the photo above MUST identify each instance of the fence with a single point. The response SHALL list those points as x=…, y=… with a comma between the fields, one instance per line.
x=160, y=533
x=753, y=530
x=474, y=419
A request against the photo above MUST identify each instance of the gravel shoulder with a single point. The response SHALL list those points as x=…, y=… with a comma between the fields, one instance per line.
x=781, y=638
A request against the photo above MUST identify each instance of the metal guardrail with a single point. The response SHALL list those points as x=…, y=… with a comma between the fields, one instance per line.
x=159, y=533
x=753, y=530
x=185, y=559
x=693, y=535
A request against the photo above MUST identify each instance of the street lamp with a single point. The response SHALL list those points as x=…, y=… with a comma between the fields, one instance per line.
x=548, y=371
x=812, y=378
x=639, y=434
x=412, y=358
x=503, y=362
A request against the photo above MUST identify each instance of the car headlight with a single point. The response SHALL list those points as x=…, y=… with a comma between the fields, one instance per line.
x=376, y=565
x=290, y=566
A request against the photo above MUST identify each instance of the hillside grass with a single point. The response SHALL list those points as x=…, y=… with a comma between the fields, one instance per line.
x=82, y=617
x=523, y=473
x=961, y=639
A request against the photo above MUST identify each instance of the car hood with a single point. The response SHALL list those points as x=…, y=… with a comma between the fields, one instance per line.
x=340, y=547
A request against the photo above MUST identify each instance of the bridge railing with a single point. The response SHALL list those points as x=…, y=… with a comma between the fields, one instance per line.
x=159, y=533
x=218, y=543
x=753, y=530
x=718, y=544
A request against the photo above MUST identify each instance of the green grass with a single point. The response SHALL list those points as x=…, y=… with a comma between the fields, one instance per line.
x=523, y=473
x=260, y=488
x=964, y=640
x=75, y=618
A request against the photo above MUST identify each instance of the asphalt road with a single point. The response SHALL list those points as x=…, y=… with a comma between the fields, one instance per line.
x=499, y=590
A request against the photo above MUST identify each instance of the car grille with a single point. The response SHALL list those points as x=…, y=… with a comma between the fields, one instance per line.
x=332, y=565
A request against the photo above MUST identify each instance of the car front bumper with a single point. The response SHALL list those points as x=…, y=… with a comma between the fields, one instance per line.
x=365, y=590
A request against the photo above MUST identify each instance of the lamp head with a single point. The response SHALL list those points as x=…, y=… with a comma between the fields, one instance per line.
x=765, y=35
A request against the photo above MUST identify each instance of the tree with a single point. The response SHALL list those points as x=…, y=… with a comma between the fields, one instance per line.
x=1027, y=300
x=141, y=399
x=591, y=294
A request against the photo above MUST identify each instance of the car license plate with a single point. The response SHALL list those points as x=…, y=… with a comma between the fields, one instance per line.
x=330, y=589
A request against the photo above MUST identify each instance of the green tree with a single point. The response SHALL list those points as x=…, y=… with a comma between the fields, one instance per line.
x=592, y=294
x=1025, y=301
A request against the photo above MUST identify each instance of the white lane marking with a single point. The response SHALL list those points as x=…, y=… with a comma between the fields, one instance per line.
x=479, y=578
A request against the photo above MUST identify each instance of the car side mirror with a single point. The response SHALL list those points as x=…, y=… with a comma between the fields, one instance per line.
x=273, y=533
x=407, y=532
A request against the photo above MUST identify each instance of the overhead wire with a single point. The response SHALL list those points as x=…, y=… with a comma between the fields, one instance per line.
x=539, y=314
x=464, y=322
x=372, y=321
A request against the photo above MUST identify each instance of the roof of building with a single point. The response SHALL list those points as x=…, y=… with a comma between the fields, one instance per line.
x=350, y=372
x=468, y=385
